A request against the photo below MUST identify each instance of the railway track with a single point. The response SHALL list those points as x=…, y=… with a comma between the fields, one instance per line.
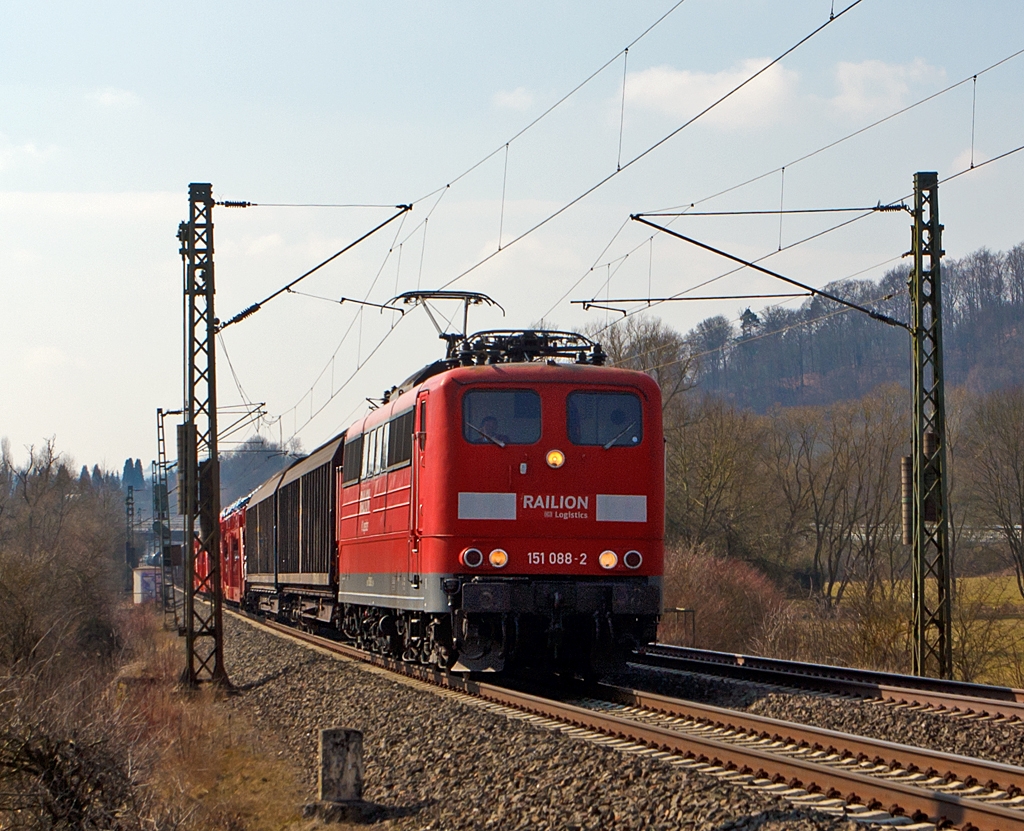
x=963, y=699
x=864, y=779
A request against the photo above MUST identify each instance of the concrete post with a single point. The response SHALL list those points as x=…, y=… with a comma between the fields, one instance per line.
x=341, y=765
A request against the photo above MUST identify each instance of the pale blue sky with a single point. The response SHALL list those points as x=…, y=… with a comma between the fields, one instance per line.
x=109, y=110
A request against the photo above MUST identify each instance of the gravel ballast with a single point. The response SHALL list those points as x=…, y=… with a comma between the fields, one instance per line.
x=435, y=762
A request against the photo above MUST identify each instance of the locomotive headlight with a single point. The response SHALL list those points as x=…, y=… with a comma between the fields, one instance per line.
x=498, y=558
x=608, y=559
x=632, y=559
x=471, y=557
x=555, y=459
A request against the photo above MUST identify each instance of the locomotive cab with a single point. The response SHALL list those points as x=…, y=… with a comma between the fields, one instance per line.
x=546, y=516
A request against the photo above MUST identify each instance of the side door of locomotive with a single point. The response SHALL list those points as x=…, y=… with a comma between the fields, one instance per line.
x=419, y=446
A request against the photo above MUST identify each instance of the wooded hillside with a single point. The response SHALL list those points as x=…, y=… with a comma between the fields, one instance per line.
x=822, y=352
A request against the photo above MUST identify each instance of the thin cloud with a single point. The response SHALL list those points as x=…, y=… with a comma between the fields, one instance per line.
x=519, y=99
x=872, y=88
x=113, y=98
x=11, y=155
x=681, y=94
x=264, y=244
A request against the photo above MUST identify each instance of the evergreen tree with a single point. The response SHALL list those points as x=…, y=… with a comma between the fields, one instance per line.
x=750, y=323
x=140, y=477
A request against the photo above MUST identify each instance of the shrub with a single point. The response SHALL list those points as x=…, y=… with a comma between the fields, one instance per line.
x=732, y=600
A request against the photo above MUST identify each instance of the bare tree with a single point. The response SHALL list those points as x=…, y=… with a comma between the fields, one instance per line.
x=881, y=432
x=1015, y=275
x=711, y=478
x=995, y=468
x=827, y=463
x=59, y=545
x=646, y=344
x=783, y=458
x=6, y=486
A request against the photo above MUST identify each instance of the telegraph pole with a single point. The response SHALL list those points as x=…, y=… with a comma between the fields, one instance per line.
x=198, y=463
x=932, y=589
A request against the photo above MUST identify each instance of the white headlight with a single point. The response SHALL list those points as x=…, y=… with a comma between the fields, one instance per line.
x=471, y=557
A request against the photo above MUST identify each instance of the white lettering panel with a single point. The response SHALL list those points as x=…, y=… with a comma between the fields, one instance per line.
x=487, y=505
x=616, y=508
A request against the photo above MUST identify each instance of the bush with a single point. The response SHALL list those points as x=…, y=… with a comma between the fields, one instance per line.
x=61, y=562
x=732, y=600
x=71, y=752
x=871, y=633
x=94, y=731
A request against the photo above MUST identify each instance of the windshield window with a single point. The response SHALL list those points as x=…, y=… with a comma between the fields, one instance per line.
x=611, y=419
x=501, y=417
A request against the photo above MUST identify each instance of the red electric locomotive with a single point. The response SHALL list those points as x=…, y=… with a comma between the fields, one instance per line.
x=503, y=507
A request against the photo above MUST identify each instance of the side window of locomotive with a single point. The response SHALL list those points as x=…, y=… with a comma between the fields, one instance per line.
x=501, y=417
x=375, y=450
x=352, y=461
x=606, y=419
x=399, y=446
x=383, y=435
x=369, y=452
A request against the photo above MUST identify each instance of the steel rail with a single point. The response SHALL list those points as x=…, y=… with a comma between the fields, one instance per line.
x=980, y=699
x=896, y=755
x=944, y=809
x=941, y=808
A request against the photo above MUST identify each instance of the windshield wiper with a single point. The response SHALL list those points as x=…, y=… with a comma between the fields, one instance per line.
x=625, y=430
x=491, y=438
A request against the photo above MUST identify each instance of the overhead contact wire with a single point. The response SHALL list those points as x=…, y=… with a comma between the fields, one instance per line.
x=656, y=145
x=723, y=275
x=442, y=192
x=257, y=306
x=563, y=99
x=686, y=211
x=346, y=382
x=974, y=110
x=590, y=270
x=748, y=264
x=845, y=138
x=782, y=202
x=868, y=212
x=622, y=109
x=981, y=164
x=504, y=183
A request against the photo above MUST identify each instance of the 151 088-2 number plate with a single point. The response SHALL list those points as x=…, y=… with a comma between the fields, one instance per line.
x=555, y=558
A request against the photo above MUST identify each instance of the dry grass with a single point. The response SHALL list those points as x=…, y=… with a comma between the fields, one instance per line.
x=998, y=590
x=875, y=632
x=739, y=610
x=212, y=771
